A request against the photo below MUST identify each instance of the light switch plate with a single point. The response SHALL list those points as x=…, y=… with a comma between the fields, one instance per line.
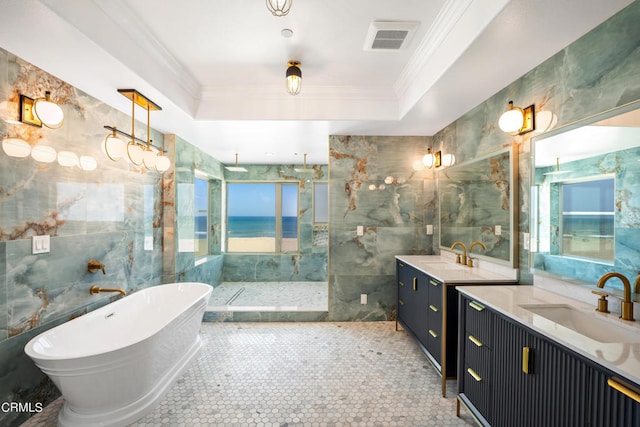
x=360, y=230
x=498, y=230
x=429, y=229
x=363, y=299
x=40, y=244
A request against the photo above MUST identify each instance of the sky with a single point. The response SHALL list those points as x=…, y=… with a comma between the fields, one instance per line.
x=254, y=199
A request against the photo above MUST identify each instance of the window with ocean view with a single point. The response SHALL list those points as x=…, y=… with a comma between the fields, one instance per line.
x=587, y=225
x=262, y=217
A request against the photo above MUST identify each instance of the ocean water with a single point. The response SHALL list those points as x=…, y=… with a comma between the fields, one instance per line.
x=261, y=226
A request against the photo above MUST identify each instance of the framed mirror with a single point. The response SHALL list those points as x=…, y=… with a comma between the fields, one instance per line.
x=477, y=204
x=586, y=197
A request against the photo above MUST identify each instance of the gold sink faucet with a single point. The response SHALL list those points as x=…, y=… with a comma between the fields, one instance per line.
x=96, y=290
x=478, y=243
x=627, y=304
x=464, y=253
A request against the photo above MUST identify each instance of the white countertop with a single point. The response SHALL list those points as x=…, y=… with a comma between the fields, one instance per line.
x=622, y=358
x=444, y=268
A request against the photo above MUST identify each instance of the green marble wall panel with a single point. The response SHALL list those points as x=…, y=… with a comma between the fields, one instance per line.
x=112, y=214
x=372, y=184
x=597, y=72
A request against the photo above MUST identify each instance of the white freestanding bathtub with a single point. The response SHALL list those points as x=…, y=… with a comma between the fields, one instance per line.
x=114, y=364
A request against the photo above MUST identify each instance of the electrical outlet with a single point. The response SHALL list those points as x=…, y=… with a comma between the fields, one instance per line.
x=363, y=299
x=498, y=230
x=526, y=241
x=429, y=229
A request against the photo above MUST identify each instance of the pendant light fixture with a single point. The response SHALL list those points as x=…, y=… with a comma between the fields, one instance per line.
x=138, y=151
x=279, y=7
x=304, y=169
x=294, y=77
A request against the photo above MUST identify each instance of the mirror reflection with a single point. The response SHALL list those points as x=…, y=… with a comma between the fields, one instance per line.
x=585, y=199
x=476, y=201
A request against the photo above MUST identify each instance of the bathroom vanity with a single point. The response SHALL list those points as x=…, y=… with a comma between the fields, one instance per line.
x=530, y=357
x=427, y=302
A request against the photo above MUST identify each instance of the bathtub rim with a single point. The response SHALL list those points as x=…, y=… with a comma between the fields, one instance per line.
x=37, y=356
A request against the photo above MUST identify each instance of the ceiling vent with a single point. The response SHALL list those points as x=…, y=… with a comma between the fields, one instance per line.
x=389, y=35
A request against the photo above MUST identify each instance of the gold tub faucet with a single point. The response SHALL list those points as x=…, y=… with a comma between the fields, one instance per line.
x=95, y=265
x=478, y=243
x=627, y=304
x=97, y=290
x=464, y=253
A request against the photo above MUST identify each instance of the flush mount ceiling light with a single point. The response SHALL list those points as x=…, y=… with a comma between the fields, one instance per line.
x=516, y=120
x=235, y=168
x=279, y=7
x=138, y=151
x=294, y=77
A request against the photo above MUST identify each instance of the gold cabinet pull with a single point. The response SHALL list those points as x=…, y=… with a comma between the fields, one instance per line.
x=474, y=374
x=434, y=283
x=415, y=283
x=624, y=389
x=433, y=308
x=401, y=283
x=433, y=334
x=401, y=264
x=476, y=306
x=401, y=302
x=475, y=340
x=526, y=351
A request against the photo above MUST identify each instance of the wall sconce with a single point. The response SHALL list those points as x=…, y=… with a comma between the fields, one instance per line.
x=448, y=160
x=42, y=111
x=428, y=160
x=294, y=77
x=138, y=151
x=516, y=120
x=279, y=7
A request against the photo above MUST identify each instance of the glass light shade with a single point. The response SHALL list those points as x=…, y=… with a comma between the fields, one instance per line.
x=545, y=120
x=428, y=160
x=48, y=112
x=68, y=159
x=135, y=153
x=114, y=147
x=511, y=121
x=149, y=158
x=162, y=163
x=294, y=77
x=44, y=154
x=389, y=180
x=16, y=147
x=279, y=7
x=448, y=159
x=418, y=165
x=88, y=163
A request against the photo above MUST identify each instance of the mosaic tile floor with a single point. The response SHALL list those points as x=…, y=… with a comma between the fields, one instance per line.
x=270, y=296
x=303, y=374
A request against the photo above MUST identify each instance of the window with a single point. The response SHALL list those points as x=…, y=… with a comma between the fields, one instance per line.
x=262, y=217
x=320, y=203
x=201, y=209
x=587, y=225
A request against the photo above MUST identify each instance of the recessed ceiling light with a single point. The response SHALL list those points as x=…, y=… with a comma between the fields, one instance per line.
x=286, y=33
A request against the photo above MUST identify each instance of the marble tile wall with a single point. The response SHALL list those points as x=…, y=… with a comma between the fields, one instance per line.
x=311, y=261
x=372, y=184
x=112, y=214
x=597, y=72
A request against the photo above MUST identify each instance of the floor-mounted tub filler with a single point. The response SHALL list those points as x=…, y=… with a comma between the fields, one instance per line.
x=114, y=364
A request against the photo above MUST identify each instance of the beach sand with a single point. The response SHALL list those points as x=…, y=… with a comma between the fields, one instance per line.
x=260, y=244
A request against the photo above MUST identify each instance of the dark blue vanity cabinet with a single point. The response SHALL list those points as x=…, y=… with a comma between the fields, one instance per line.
x=510, y=375
x=427, y=309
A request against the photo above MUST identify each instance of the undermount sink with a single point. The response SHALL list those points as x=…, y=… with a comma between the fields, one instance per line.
x=583, y=323
x=446, y=265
